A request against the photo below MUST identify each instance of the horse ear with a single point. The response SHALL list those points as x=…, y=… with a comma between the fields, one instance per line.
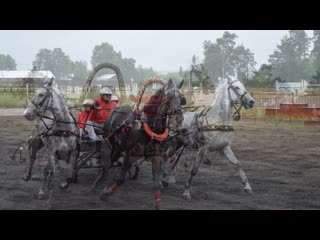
x=170, y=84
x=180, y=84
x=50, y=83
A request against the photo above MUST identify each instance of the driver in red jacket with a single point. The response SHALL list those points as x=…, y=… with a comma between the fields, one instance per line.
x=102, y=108
x=83, y=117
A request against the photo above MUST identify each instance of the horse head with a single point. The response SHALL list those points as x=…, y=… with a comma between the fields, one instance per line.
x=40, y=101
x=173, y=99
x=238, y=94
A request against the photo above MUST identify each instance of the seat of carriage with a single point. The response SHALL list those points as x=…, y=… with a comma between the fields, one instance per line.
x=90, y=139
x=91, y=134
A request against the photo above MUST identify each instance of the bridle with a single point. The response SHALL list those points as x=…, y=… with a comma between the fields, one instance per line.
x=166, y=103
x=38, y=106
x=47, y=97
x=236, y=116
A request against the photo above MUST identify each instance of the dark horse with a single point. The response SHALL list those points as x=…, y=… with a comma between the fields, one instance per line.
x=129, y=141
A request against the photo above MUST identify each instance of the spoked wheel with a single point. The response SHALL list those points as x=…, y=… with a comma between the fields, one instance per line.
x=85, y=158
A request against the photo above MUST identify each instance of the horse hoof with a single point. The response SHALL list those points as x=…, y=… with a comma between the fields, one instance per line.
x=105, y=195
x=172, y=180
x=63, y=186
x=157, y=207
x=41, y=196
x=165, y=183
x=186, y=196
x=135, y=177
x=35, y=178
x=26, y=177
x=207, y=162
x=248, y=190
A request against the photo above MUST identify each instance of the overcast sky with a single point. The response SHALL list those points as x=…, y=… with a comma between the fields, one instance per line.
x=161, y=50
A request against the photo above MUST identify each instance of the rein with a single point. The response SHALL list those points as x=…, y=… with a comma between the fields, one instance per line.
x=236, y=116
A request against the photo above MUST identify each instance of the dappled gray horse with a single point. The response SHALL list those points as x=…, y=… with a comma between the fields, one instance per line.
x=35, y=143
x=211, y=129
x=60, y=137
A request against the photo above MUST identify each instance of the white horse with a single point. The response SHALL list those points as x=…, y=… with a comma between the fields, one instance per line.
x=211, y=129
x=35, y=143
x=49, y=108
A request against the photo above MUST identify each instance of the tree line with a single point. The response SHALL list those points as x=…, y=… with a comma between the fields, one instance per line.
x=296, y=57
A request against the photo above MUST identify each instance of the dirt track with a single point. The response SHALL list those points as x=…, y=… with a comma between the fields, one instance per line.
x=282, y=165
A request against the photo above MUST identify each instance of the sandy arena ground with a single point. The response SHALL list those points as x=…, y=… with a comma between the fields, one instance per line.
x=282, y=163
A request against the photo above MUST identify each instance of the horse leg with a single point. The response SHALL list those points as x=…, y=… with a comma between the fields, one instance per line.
x=126, y=165
x=227, y=152
x=72, y=170
x=28, y=175
x=156, y=173
x=47, y=173
x=98, y=180
x=196, y=161
x=135, y=175
x=168, y=175
x=51, y=180
x=170, y=156
x=168, y=159
x=36, y=144
x=107, y=164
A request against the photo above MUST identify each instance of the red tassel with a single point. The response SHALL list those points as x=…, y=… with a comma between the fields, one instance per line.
x=157, y=197
x=113, y=187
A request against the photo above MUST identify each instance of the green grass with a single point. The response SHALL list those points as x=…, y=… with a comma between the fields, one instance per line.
x=13, y=100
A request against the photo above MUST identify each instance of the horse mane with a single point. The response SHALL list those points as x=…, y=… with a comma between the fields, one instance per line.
x=218, y=91
x=116, y=118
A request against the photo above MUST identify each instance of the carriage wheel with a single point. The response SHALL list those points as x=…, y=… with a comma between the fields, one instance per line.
x=84, y=158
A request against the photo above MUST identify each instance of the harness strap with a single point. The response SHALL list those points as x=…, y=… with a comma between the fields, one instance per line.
x=222, y=128
x=155, y=136
x=64, y=133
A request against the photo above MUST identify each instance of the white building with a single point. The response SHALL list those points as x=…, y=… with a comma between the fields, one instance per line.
x=294, y=87
x=22, y=77
x=25, y=78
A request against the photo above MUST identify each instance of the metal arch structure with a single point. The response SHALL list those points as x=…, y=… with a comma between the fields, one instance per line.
x=116, y=69
x=144, y=87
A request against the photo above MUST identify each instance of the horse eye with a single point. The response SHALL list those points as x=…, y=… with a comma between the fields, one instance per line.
x=40, y=95
x=237, y=88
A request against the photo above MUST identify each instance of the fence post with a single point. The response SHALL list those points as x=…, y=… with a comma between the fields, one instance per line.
x=292, y=94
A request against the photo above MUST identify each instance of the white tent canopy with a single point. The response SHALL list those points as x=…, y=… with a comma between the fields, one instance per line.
x=25, y=74
x=105, y=77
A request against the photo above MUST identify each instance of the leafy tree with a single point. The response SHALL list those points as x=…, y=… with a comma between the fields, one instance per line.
x=316, y=77
x=181, y=72
x=55, y=61
x=315, y=53
x=224, y=58
x=290, y=60
x=7, y=62
x=80, y=70
x=262, y=78
x=244, y=62
x=105, y=53
x=194, y=60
